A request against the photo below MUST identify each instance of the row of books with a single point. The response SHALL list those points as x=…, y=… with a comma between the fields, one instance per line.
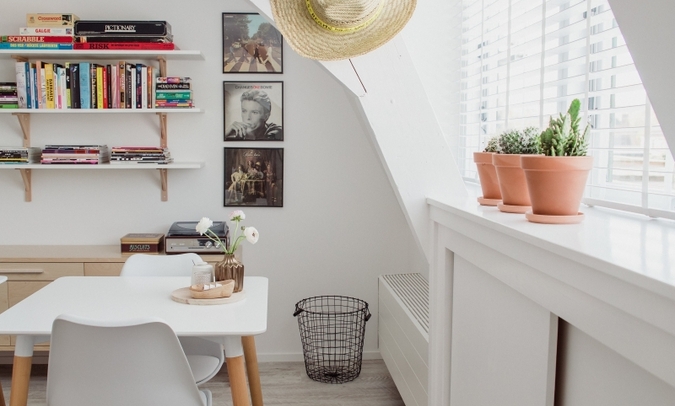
x=67, y=31
x=19, y=155
x=87, y=85
x=75, y=154
x=173, y=92
x=140, y=155
x=85, y=154
x=9, y=98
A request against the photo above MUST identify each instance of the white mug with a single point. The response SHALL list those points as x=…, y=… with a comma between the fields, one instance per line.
x=202, y=274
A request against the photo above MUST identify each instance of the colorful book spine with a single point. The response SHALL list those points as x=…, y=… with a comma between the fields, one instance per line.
x=100, y=85
x=85, y=83
x=173, y=79
x=173, y=95
x=143, y=88
x=122, y=46
x=49, y=85
x=93, y=89
x=20, y=70
x=122, y=83
x=172, y=86
x=75, y=85
x=69, y=102
x=122, y=27
x=50, y=20
x=50, y=31
x=38, y=39
x=34, y=45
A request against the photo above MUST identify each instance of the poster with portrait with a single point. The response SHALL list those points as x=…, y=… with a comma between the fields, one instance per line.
x=254, y=177
x=253, y=111
x=251, y=44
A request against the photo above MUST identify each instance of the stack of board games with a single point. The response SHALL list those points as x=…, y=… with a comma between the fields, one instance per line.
x=9, y=99
x=140, y=155
x=43, y=31
x=75, y=154
x=173, y=92
x=19, y=155
x=123, y=35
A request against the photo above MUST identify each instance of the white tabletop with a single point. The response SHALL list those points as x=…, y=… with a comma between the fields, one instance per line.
x=117, y=298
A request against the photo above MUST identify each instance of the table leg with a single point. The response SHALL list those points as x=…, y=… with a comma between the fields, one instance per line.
x=23, y=361
x=2, y=397
x=234, y=355
x=251, y=358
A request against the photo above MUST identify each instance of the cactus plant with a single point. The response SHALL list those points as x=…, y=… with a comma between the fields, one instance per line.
x=562, y=137
x=519, y=142
x=492, y=145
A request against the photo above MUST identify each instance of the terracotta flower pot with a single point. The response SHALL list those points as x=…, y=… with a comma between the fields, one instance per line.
x=512, y=184
x=488, y=179
x=556, y=185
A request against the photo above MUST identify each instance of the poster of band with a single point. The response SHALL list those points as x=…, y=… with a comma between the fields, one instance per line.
x=253, y=111
x=251, y=44
x=254, y=177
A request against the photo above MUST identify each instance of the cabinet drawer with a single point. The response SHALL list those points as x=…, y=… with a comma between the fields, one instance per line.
x=103, y=268
x=40, y=271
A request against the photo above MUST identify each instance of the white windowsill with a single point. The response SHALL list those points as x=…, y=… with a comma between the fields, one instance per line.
x=634, y=248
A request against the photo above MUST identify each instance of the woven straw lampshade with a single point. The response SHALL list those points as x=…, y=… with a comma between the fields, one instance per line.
x=329, y=30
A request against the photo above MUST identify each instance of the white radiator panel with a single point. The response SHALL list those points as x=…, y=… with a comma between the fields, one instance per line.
x=403, y=334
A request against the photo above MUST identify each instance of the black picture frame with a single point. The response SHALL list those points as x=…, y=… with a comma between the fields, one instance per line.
x=251, y=44
x=253, y=110
x=253, y=177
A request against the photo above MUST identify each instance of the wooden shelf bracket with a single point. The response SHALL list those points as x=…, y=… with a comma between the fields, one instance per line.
x=24, y=122
x=26, y=176
x=162, y=129
x=164, y=179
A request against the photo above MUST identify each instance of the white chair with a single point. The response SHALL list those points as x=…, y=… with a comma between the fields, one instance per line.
x=205, y=357
x=131, y=363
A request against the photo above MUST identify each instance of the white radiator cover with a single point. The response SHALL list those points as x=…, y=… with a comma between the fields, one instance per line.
x=403, y=333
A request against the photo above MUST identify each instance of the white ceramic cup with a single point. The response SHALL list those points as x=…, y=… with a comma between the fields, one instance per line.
x=202, y=274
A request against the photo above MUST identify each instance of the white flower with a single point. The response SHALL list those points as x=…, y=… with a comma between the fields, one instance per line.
x=251, y=235
x=237, y=215
x=204, y=224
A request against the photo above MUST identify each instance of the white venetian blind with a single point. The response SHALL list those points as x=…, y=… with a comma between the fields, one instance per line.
x=525, y=60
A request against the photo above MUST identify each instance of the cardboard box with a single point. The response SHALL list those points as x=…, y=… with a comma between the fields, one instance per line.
x=143, y=243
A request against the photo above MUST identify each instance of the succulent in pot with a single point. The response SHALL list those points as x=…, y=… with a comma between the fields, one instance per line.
x=556, y=179
x=487, y=174
x=512, y=185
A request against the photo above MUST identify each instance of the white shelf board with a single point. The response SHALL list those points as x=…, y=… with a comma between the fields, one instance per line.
x=173, y=165
x=102, y=111
x=100, y=54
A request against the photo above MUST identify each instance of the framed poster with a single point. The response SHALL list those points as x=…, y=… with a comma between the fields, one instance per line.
x=251, y=44
x=253, y=111
x=254, y=177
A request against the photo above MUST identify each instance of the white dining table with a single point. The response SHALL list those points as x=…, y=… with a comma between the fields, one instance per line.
x=115, y=298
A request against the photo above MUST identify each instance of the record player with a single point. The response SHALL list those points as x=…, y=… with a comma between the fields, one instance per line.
x=183, y=238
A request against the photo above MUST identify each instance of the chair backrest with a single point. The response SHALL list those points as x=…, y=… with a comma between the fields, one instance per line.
x=160, y=265
x=137, y=362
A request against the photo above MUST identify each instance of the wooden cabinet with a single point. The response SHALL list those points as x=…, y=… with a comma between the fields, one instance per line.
x=24, y=115
x=28, y=269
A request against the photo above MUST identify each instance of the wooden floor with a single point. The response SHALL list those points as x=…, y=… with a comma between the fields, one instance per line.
x=283, y=383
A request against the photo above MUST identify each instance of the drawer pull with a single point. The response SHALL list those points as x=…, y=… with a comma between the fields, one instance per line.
x=21, y=271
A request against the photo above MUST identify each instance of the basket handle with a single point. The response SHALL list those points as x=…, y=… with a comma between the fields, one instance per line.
x=368, y=315
x=297, y=311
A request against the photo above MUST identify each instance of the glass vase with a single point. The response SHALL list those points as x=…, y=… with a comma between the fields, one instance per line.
x=230, y=268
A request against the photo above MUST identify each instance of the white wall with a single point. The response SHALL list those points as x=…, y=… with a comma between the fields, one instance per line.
x=341, y=225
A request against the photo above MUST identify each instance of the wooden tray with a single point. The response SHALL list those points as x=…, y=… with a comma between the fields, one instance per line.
x=182, y=295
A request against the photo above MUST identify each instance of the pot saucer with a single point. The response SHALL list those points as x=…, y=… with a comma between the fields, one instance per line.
x=488, y=202
x=507, y=208
x=545, y=219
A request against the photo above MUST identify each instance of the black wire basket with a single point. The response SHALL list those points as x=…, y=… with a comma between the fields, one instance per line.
x=332, y=329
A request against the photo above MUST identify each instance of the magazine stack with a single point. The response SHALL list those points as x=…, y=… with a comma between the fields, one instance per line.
x=173, y=92
x=140, y=155
x=42, y=31
x=75, y=154
x=123, y=35
x=9, y=99
x=19, y=155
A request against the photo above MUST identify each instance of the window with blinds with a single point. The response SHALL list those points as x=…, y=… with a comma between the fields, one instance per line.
x=525, y=60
